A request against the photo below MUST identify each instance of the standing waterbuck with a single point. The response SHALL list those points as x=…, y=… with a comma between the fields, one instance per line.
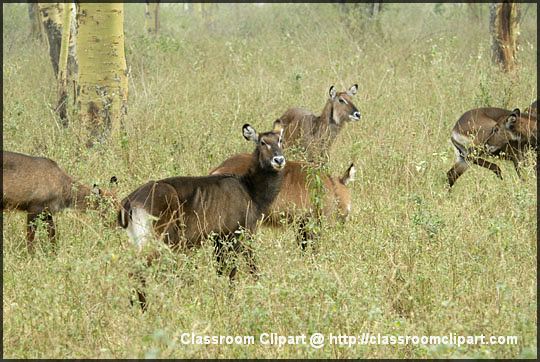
x=40, y=187
x=294, y=202
x=491, y=132
x=185, y=211
x=316, y=134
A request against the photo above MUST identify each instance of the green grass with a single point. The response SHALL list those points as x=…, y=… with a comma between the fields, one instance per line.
x=412, y=260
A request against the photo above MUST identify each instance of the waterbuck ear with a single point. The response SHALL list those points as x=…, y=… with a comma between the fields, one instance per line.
x=349, y=175
x=332, y=92
x=249, y=133
x=512, y=118
x=95, y=190
x=278, y=125
x=352, y=91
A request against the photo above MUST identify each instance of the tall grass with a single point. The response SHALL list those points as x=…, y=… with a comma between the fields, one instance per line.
x=412, y=260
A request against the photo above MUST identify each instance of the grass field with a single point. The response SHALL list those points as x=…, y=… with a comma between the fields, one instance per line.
x=413, y=259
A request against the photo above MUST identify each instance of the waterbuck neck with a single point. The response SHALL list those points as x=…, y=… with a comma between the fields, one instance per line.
x=262, y=184
x=325, y=126
x=79, y=197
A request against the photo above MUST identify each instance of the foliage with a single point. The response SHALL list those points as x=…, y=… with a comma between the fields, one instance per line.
x=412, y=259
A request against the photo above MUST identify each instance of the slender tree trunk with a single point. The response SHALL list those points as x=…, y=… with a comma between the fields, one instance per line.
x=504, y=28
x=36, y=30
x=151, y=17
x=72, y=50
x=51, y=16
x=61, y=107
x=102, y=86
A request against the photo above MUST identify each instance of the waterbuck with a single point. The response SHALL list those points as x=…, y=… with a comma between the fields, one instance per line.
x=294, y=202
x=38, y=186
x=184, y=211
x=491, y=132
x=316, y=134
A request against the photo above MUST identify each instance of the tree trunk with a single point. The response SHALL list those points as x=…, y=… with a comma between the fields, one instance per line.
x=72, y=50
x=151, y=17
x=36, y=30
x=504, y=28
x=375, y=8
x=52, y=23
x=61, y=107
x=102, y=86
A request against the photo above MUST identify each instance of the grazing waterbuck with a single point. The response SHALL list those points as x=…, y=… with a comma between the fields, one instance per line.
x=491, y=132
x=316, y=134
x=184, y=211
x=38, y=186
x=294, y=203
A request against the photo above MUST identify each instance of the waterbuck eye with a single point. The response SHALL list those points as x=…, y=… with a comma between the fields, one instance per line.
x=263, y=143
x=342, y=101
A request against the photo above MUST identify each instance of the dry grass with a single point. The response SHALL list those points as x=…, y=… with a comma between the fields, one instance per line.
x=413, y=260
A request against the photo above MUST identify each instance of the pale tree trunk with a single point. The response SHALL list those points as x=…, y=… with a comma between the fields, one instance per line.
x=61, y=107
x=375, y=8
x=36, y=29
x=51, y=16
x=504, y=28
x=72, y=50
x=102, y=86
x=151, y=17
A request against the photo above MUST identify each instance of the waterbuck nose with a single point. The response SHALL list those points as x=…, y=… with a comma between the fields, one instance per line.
x=279, y=160
x=356, y=115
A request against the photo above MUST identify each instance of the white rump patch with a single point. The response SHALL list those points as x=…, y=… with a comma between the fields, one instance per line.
x=140, y=227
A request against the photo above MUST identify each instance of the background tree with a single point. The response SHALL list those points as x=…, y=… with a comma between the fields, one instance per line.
x=504, y=28
x=151, y=17
x=61, y=107
x=36, y=30
x=51, y=17
x=102, y=88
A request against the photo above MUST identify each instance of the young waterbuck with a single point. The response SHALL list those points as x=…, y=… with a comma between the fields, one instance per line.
x=491, y=132
x=294, y=202
x=316, y=134
x=184, y=211
x=38, y=186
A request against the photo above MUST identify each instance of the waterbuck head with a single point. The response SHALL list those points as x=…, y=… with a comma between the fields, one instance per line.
x=269, y=149
x=343, y=109
x=518, y=127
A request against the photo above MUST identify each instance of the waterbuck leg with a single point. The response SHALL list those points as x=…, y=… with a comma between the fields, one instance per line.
x=31, y=230
x=489, y=165
x=247, y=251
x=51, y=229
x=456, y=171
x=141, y=295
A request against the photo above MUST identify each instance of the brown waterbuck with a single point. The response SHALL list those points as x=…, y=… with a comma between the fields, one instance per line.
x=491, y=132
x=294, y=203
x=38, y=186
x=316, y=134
x=184, y=211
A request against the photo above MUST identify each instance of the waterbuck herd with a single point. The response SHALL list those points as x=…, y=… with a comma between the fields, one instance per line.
x=246, y=190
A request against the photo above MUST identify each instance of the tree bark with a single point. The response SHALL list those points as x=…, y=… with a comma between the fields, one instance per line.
x=52, y=23
x=151, y=17
x=102, y=88
x=61, y=107
x=36, y=30
x=504, y=29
